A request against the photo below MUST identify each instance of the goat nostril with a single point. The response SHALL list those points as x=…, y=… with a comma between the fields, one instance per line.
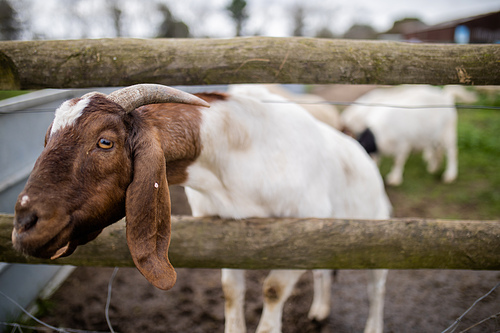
x=26, y=221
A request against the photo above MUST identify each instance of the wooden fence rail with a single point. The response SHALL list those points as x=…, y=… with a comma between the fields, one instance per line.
x=122, y=61
x=299, y=244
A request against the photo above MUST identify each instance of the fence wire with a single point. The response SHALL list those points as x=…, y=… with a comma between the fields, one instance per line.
x=46, y=327
x=108, y=299
x=335, y=103
x=454, y=326
x=425, y=106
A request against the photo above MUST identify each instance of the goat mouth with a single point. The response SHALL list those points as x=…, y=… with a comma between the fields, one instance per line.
x=51, y=238
x=52, y=249
x=71, y=246
x=39, y=248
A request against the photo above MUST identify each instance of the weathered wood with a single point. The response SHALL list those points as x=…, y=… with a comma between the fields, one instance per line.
x=299, y=243
x=120, y=62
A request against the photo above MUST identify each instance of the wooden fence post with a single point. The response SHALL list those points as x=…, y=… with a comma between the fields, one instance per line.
x=299, y=243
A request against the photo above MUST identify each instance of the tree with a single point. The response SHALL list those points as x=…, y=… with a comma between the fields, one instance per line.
x=238, y=13
x=171, y=27
x=360, y=31
x=298, y=14
x=9, y=24
x=116, y=14
x=325, y=33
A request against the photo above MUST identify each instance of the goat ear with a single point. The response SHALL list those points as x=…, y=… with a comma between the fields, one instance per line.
x=148, y=214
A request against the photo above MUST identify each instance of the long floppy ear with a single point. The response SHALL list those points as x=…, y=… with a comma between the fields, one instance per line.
x=148, y=213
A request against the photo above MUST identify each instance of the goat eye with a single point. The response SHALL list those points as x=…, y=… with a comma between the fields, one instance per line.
x=105, y=144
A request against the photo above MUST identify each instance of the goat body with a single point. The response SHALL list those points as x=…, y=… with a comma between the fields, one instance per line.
x=407, y=118
x=261, y=160
x=240, y=158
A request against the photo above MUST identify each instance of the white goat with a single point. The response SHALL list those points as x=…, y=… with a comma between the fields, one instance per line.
x=406, y=118
x=240, y=158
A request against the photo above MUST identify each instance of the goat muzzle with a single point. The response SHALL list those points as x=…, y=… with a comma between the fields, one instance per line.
x=71, y=246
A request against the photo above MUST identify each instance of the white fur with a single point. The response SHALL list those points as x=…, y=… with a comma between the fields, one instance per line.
x=400, y=130
x=276, y=160
x=68, y=113
x=25, y=200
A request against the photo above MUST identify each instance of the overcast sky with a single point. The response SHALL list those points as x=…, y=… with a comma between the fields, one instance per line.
x=56, y=19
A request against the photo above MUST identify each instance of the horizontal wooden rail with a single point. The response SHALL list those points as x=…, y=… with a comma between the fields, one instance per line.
x=125, y=61
x=299, y=244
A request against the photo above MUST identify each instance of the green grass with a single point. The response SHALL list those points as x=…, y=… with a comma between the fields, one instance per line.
x=4, y=94
x=476, y=192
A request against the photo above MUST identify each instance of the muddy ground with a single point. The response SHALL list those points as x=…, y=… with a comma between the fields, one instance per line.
x=416, y=300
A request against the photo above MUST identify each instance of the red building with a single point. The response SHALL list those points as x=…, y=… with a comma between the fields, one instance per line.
x=478, y=29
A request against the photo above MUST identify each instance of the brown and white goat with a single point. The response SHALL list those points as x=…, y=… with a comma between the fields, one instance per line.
x=106, y=157
x=104, y=160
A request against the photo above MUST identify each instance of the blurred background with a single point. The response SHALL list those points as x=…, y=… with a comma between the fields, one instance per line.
x=356, y=19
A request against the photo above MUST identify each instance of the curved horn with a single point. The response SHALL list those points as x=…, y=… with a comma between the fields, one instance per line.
x=130, y=98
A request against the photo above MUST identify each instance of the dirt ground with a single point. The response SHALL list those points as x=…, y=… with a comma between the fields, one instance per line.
x=416, y=300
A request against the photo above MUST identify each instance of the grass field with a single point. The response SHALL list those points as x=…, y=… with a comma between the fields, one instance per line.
x=476, y=192
x=4, y=94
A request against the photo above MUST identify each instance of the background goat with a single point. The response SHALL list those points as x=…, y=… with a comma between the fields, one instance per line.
x=106, y=157
x=426, y=119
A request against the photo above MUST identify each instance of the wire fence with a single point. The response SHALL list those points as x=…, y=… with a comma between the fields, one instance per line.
x=455, y=325
x=335, y=103
x=424, y=106
x=16, y=327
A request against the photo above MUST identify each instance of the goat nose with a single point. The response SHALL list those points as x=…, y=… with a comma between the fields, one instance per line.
x=25, y=221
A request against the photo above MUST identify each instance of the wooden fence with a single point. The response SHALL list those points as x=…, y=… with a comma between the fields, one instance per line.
x=298, y=243
x=268, y=243
x=120, y=62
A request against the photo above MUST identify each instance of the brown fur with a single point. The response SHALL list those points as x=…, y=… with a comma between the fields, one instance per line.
x=179, y=131
x=60, y=187
x=77, y=188
x=148, y=212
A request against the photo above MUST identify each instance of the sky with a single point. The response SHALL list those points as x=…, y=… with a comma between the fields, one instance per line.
x=341, y=15
x=55, y=19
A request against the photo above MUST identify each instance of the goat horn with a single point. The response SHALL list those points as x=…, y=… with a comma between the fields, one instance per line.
x=130, y=98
